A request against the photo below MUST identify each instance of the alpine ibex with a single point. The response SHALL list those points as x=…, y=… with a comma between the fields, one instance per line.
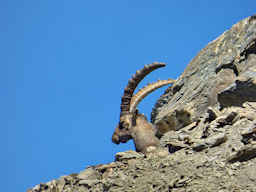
x=132, y=124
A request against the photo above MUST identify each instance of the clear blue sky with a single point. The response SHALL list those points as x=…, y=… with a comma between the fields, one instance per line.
x=64, y=65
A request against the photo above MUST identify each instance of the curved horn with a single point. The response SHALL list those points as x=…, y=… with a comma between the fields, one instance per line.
x=132, y=84
x=142, y=93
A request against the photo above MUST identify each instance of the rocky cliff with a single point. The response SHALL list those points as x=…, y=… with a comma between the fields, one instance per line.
x=207, y=125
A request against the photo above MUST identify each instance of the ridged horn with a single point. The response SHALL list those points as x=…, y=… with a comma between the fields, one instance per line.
x=142, y=93
x=132, y=84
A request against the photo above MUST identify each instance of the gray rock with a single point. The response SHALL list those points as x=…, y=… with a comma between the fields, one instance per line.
x=88, y=182
x=128, y=155
x=224, y=64
x=88, y=174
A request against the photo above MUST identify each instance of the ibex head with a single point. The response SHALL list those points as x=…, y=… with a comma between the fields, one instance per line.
x=133, y=125
x=123, y=130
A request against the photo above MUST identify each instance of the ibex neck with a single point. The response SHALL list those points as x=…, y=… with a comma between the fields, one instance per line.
x=144, y=135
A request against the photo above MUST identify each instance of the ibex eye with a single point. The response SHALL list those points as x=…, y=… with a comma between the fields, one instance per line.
x=123, y=125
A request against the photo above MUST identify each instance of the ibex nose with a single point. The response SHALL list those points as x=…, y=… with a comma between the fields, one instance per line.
x=115, y=139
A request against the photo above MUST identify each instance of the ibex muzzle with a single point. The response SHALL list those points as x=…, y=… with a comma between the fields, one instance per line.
x=133, y=125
